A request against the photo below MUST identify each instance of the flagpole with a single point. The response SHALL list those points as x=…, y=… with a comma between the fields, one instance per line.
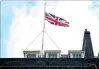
x=43, y=30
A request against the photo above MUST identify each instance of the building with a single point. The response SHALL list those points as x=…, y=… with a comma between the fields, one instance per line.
x=32, y=54
x=76, y=54
x=86, y=52
x=53, y=59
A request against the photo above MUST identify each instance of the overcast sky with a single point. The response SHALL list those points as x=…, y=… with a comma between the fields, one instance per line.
x=27, y=23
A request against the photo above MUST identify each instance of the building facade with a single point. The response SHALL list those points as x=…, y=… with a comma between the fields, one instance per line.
x=54, y=59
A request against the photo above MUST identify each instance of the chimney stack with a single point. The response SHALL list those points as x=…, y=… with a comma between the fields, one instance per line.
x=87, y=45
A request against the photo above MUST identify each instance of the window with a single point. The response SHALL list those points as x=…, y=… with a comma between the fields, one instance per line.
x=52, y=55
x=77, y=55
x=31, y=55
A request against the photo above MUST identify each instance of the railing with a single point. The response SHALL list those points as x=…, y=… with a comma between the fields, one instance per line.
x=51, y=62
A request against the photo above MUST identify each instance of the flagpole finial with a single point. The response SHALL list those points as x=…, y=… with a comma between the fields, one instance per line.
x=44, y=2
x=86, y=29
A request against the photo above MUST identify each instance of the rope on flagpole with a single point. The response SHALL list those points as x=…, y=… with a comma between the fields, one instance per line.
x=52, y=40
x=33, y=40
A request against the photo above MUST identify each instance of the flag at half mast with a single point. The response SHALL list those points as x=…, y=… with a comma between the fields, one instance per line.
x=55, y=20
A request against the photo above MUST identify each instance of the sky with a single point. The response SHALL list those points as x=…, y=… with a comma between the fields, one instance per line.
x=22, y=21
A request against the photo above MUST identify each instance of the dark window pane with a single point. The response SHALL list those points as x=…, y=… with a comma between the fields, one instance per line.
x=52, y=55
x=31, y=55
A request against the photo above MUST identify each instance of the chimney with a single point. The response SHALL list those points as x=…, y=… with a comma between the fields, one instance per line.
x=87, y=45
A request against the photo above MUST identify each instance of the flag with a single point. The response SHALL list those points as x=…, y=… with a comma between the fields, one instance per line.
x=55, y=20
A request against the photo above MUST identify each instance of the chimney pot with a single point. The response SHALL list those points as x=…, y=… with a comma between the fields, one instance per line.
x=86, y=30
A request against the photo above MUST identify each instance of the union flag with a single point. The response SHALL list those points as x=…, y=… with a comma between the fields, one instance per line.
x=55, y=20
